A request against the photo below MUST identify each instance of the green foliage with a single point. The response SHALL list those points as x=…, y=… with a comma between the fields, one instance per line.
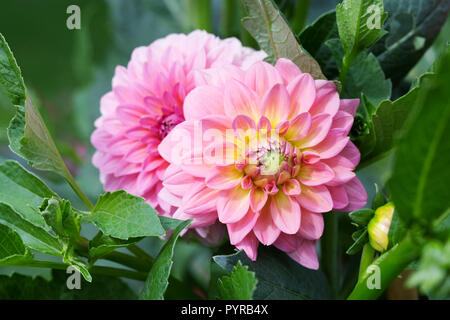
x=433, y=273
x=123, y=216
x=33, y=236
x=23, y=191
x=240, y=285
x=413, y=25
x=279, y=277
x=102, y=245
x=362, y=216
x=23, y=287
x=360, y=24
x=420, y=175
x=158, y=277
x=12, y=249
x=270, y=29
x=360, y=238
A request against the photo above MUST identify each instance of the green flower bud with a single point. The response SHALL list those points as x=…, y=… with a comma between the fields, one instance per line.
x=379, y=225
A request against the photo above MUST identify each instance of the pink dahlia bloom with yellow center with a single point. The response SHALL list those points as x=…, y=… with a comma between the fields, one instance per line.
x=146, y=102
x=265, y=151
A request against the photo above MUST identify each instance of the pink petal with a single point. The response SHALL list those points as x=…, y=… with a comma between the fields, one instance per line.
x=285, y=213
x=299, y=127
x=250, y=246
x=233, y=204
x=275, y=104
x=286, y=242
x=315, y=199
x=302, y=93
x=292, y=187
x=315, y=174
x=265, y=229
x=343, y=120
x=258, y=199
x=327, y=98
x=244, y=126
x=238, y=231
x=199, y=199
x=342, y=168
x=262, y=76
x=349, y=105
x=320, y=126
x=332, y=145
x=306, y=254
x=339, y=196
x=357, y=196
x=239, y=99
x=287, y=69
x=311, y=226
x=223, y=178
x=352, y=153
x=203, y=101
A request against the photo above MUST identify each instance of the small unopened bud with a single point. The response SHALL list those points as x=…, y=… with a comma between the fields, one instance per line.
x=379, y=225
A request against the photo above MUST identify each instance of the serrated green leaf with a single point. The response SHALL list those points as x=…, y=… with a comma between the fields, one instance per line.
x=32, y=236
x=389, y=120
x=158, y=277
x=28, y=135
x=419, y=183
x=362, y=216
x=270, y=29
x=360, y=24
x=314, y=37
x=19, y=287
x=123, y=216
x=65, y=222
x=23, y=191
x=279, y=277
x=12, y=249
x=239, y=286
x=102, y=245
x=408, y=21
x=10, y=75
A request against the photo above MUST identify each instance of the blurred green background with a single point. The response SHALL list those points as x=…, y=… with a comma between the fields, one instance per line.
x=67, y=72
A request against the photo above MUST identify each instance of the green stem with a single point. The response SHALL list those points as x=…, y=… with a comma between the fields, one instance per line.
x=106, y=271
x=390, y=265
x=300, y=15
x=366, y=259
x=141, y=254
x=76, y=188
x=199, y=12
x=330, y=251
x=347, y=62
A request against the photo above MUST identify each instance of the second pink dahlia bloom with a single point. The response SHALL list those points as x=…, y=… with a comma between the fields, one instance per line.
x=264, y=151
x=146, y=102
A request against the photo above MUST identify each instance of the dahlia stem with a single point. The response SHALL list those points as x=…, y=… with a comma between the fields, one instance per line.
x=330, y=251
x=390, y=265
x=347, y=62
x=76, y=188
x=99, y=270
x=300, y=15
x=366, y=259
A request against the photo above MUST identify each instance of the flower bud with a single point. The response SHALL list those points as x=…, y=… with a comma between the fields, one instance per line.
x=379, y=225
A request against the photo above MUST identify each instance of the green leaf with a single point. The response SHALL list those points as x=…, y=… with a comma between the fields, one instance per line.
x=360, y=24
x=239, y=286
x=23, y=191
x=279, y=277
x=102, y=245
x=59, y=215
x=360, y=237
x=408, y=22
x=29, y=137
x=12, y=249
x=379, y=198
x=19, y=287
x=270, y=29
x=366, y=76
x=123, y=216
x=419, y=183
x=362, y=216
x=158, y=277
x=389, y=120
x=10, y=76
x=397, y=230
x=314, y=37
x=32, y=236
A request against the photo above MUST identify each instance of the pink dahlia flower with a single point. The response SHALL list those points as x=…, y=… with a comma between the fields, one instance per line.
x=146, y=102
x=264, y=151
